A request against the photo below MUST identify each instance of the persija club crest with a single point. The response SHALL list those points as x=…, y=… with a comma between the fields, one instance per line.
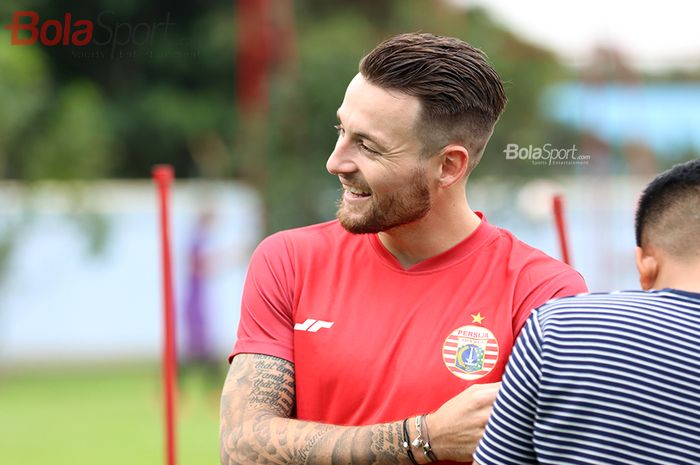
x=470, y=352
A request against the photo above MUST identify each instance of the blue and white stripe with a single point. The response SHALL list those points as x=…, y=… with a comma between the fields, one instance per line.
x=602, y=379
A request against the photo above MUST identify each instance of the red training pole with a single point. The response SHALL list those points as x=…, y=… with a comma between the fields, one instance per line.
x=163, y=177
x=558, y=205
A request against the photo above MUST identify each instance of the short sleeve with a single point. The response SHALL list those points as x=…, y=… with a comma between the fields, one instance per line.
x=508, y=439
x=552, y=283
x=266, y=323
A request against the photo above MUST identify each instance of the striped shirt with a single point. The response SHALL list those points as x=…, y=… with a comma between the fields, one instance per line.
x=602, y=379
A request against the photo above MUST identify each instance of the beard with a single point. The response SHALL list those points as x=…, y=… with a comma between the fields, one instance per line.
x=386, y=211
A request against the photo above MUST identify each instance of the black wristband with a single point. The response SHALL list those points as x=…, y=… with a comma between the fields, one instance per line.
x=407, y=444
x=427, y=449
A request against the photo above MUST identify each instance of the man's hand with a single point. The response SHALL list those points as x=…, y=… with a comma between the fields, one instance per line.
x=456, y=428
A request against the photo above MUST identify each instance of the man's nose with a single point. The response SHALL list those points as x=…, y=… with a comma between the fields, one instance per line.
x=341, y=160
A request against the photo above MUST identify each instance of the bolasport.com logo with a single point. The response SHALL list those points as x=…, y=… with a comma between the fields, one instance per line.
x=107, y=35
x=546, y=155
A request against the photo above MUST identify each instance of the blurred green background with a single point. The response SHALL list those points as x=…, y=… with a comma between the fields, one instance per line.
x=108, y=415
x=191, y=97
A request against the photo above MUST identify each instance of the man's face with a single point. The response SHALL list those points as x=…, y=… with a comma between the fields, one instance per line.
x=377, y=158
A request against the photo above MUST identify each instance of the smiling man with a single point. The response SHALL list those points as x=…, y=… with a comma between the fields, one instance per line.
x=380, y=337
x=381, y=190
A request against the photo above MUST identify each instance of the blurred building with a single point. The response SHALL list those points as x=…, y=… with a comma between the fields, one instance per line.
x=628, y=124
x=60, y=301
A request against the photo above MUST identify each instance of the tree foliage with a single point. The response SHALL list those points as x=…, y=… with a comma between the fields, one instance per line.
x=114, y=110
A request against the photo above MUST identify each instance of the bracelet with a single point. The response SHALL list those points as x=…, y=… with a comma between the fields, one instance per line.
x=406, y=445
x=418, y=442
x=423, y=443
x=427, y=448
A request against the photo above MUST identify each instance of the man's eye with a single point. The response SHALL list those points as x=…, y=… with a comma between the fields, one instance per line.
x=367, y=149
x=339, y=128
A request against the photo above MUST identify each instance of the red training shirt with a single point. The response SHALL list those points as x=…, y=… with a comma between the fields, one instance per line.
x=372, y=342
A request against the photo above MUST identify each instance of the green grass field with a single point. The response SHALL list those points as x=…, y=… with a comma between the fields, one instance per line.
x=105, y=416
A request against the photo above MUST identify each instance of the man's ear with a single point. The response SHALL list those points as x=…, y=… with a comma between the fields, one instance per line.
x=647, y=266
x=455, y=162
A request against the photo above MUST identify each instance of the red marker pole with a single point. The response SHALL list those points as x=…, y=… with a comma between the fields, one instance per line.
x=163, y=177
x=558, y=205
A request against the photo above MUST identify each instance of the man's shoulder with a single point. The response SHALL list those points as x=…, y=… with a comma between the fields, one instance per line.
x=634, y=310
x=595, y=298
x=316, y=237
x=530, y=259
x=314, y=232
x=520, y=249
x=593, y=303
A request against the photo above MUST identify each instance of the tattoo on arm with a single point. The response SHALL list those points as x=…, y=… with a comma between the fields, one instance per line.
x=272, y=386
x=257, y=425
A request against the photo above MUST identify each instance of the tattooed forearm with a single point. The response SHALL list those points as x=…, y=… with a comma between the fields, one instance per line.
x=386, y=443
x=369, y=445
x=272, y=386
x=310, y=443
x=256, y=429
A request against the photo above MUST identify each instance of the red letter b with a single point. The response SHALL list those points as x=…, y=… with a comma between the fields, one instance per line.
x=17, y=26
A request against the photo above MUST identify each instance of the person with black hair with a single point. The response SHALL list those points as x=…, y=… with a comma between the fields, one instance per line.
x=614, y=378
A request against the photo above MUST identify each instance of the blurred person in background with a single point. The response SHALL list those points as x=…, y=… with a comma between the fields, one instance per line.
x=614, y=378
x=380, y=337
x=199, y=351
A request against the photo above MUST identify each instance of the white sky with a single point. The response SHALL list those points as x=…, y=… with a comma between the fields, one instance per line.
x=652, y=35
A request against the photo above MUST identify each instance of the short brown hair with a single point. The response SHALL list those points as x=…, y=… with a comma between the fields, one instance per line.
x=461, y=95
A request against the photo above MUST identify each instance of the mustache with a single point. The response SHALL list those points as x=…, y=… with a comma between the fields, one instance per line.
x=354, y=181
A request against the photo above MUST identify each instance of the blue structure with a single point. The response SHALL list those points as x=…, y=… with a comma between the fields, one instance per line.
x=665, y=117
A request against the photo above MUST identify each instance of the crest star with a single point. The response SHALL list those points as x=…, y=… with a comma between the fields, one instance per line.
x=477, y=318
